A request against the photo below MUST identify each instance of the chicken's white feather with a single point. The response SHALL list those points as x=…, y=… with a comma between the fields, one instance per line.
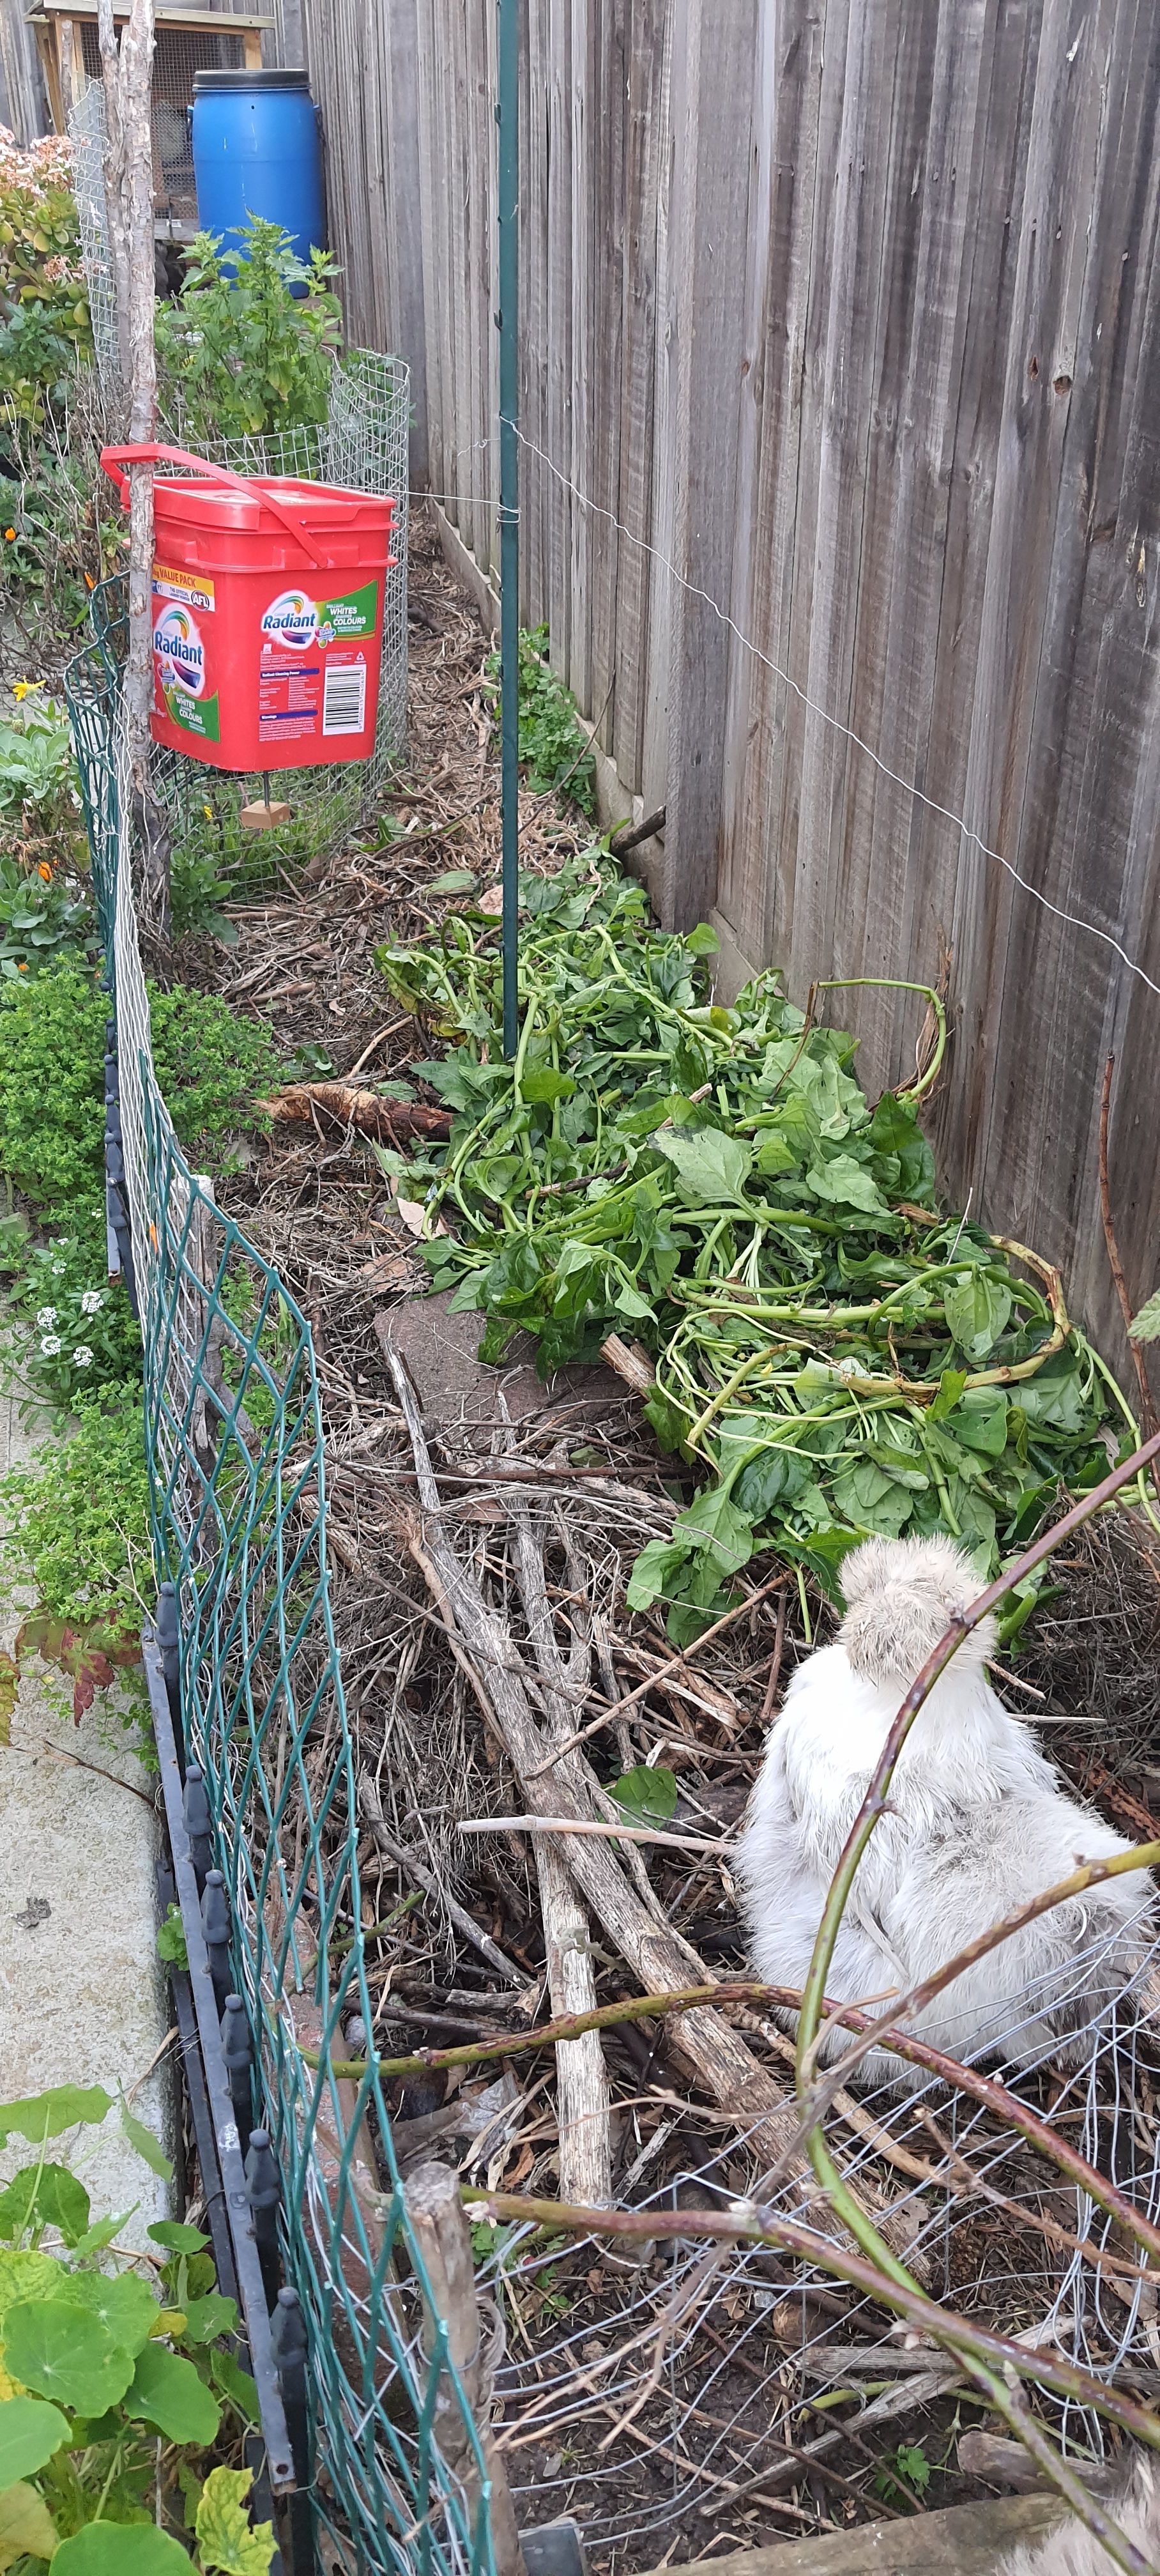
x=978, y=1823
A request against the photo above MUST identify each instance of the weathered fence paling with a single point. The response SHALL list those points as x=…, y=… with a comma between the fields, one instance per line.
x=849, y=317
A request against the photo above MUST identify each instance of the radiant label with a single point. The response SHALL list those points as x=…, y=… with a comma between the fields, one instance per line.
x=180, y=672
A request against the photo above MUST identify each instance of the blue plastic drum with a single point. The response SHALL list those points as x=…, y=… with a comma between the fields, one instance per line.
x=257, y=150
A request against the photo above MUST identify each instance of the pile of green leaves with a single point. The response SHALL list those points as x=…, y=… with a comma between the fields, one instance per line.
x=114, y=2388
x=44, y=306
x=240, y=354
x=841, y=1358
x=553, y=744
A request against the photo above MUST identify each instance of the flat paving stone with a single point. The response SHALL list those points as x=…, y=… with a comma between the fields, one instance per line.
x=459, y=1391
x=82, y=1995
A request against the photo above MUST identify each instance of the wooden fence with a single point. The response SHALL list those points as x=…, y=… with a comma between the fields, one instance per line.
x=841, y=406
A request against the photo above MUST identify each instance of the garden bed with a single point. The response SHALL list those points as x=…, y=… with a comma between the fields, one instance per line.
x=661, y=2405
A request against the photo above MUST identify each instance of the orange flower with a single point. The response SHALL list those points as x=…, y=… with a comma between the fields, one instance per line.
x=21, y=967
x=9, y=534
x=44, y=870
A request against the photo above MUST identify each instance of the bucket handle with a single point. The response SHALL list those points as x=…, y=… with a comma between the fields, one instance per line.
x=114, y=459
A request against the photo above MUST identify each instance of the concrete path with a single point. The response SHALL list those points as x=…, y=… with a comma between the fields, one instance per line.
x=82, y=1995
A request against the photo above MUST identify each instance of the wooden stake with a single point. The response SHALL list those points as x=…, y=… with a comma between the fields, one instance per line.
x=443, y=2237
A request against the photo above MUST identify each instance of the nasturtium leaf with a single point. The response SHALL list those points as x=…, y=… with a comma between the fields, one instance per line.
x=30, y=2431
x=702, y=940
x=977, y=1306
x=121, y=2549
x=61, y=2351
x=123, y=2302
x=25, y=2275
x=206, y=2319
x=167, y=2391
x=645, y=1796
x=50, y=2196
x=26, y=2525
x=63, y=2106
x=177, y=2236
x=712, y=1168
x=228, y=2543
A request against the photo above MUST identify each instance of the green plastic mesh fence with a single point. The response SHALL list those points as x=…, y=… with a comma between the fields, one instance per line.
x=235, y=1447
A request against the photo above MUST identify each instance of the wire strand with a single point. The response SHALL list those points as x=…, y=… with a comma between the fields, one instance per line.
x=1072, y=920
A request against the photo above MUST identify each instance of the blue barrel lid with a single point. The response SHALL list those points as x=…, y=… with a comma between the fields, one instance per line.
x=273, y=80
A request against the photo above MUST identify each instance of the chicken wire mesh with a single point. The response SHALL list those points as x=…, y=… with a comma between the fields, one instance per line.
x=362, y=447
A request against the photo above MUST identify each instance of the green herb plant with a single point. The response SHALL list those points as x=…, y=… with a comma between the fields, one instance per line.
x=117, y=2386
x=553, y=744
x=46, y=917
x=82, y=1335
x=44, y=310
x=77, y=1532
x=239, y=354
x=210, y=1065
x=834, y=1357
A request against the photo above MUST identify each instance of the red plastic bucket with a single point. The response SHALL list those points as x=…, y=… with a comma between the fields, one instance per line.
x=267, y=614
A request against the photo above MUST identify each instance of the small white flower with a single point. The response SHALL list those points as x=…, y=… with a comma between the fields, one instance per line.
x=46, y=1318
x=50, y=1345
x=92, y=1301
x=57, y=1267
x=82, y=1356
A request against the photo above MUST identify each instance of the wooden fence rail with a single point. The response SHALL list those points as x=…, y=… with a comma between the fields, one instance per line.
x=841, y=488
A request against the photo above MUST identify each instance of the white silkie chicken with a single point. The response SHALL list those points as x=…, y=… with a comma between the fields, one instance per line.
x=977, y=1823
x=1070, y=2549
